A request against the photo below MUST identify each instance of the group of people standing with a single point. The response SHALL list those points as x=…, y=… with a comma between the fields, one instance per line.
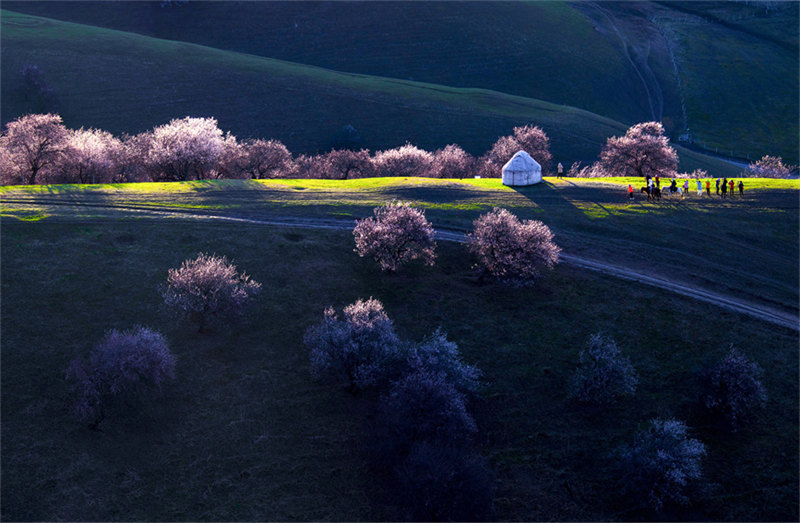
x=722, y=186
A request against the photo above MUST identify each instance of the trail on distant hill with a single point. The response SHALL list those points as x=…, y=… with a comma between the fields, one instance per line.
x=775, y=317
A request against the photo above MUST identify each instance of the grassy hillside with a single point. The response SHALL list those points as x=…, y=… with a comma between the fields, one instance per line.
x=739, y=73
x=244, y=433
x=157, y=80
x=727, y=70
x=737, y=246
x=544, y=50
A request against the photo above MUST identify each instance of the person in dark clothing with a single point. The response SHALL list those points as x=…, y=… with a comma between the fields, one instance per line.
x=717, y=186
x=741, y=188
x=724, y=188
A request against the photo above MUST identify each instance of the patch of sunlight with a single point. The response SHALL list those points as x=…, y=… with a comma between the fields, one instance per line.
x=23, y=216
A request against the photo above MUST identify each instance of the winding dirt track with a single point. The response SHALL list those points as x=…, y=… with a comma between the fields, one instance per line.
x=775, y=317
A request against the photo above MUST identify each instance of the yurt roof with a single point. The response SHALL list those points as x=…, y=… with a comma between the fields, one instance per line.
x=521, y=161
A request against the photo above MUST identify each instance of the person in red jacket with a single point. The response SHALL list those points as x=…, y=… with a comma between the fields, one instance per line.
x=708, y=187
x=730, y=184
x=630, y=192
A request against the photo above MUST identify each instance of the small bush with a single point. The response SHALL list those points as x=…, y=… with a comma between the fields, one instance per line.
x=732, y=389
x=510, y=250
x=422, y=406
x=124, y=364
x=443, y=483
x=361, y=350
x=603, y=373
x=209, y=290
x=661, y=463
x=397, y=234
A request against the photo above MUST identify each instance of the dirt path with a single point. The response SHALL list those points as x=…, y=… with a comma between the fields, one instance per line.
x=775, y=317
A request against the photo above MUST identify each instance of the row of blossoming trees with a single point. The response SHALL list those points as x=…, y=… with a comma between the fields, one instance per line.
x=38, y=148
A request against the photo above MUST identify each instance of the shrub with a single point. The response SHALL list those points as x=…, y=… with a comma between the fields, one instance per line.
x=208, y=289
x=361, y=350
x=421, y=406
x=661, y=463
x=603, y=373
x=510, y=250
x=443, y=483
x=732, y=389
x=438, y=355
x=123, y=364
x=35, y=88
x=397, y=234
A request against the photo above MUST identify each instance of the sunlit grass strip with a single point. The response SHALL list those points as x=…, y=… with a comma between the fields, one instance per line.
x=24, y=217
x=749, y=183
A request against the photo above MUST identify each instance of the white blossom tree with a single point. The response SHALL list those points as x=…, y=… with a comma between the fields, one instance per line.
x=32, y=145
x=90, y=156
x=184, y=149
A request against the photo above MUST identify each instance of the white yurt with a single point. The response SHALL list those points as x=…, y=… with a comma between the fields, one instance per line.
x=522, y=169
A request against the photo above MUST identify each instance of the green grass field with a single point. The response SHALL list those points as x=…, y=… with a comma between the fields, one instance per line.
x=244, y=433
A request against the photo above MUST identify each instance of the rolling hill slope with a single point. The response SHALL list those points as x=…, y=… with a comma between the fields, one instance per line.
x=725, y=70
x=124, y=82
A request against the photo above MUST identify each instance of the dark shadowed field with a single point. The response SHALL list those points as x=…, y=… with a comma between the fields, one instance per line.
x=245, y=433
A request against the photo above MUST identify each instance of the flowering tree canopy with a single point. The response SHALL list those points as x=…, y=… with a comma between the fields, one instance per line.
x=123, y=363
x=531, y=139
x=733, y=389
x=345, y=164
x=397, y=234
x=407, y=160
x=32, y=145
x=360, y=350
x=184, y=149
x=644, y=150
x=90, y=156
x=511, y=250
x=603, y=374
x=208, y=288
x=769, y=167
x=662, y=462
x=266, y=159
x=452, y=162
